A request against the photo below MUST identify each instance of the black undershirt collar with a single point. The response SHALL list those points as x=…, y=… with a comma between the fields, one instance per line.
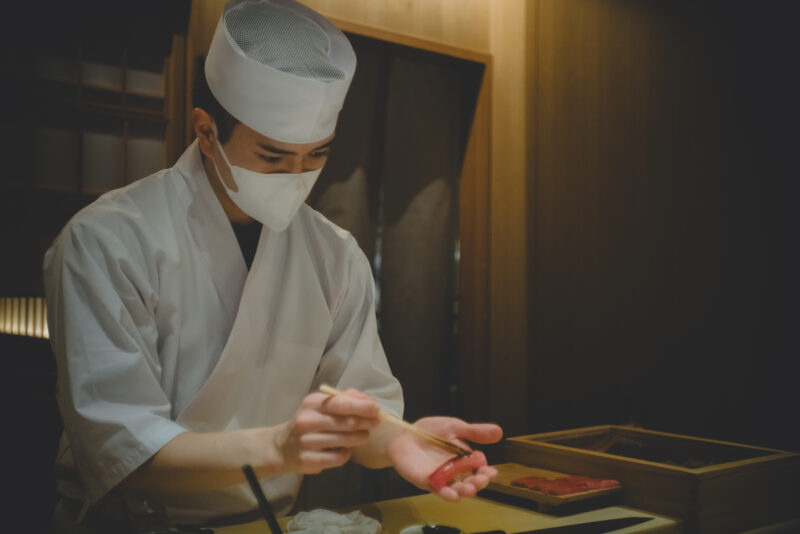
x=247, y=235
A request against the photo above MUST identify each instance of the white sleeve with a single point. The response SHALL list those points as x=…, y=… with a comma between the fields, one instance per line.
x=101, y=299
x=354, y=356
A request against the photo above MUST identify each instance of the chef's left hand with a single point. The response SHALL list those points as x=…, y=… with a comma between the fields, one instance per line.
x=416, y=459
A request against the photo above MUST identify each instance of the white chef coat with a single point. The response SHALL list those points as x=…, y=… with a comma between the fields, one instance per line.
x=158, y=327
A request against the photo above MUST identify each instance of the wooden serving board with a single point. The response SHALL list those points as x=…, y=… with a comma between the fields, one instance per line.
x=512, y=471
x=712, y=486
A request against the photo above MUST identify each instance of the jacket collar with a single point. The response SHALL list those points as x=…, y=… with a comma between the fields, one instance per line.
x=212, y=231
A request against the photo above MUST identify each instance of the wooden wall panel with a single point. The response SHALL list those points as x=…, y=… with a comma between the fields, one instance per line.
x=474, y=298
x=508, y=307
x=649, y=247
x=461, y=24
x=458, y=23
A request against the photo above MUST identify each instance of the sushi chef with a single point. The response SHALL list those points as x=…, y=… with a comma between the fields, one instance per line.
x=195, y=313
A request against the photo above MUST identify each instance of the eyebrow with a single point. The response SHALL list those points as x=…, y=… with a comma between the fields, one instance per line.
x=275, y=150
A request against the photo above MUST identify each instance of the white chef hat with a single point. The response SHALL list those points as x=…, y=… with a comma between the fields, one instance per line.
x=280, y=68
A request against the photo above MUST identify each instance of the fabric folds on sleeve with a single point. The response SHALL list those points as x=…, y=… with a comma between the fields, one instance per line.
x=101, y=301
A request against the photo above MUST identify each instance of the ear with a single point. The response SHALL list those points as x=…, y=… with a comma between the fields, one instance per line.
x=204, y=130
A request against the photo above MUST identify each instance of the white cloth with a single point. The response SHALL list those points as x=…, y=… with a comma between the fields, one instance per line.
x=157, y=328
x=322, y=521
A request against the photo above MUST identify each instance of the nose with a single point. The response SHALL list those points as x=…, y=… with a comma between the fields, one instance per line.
x=296, y=166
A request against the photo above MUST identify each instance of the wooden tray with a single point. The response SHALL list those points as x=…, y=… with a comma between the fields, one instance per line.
x=712, y=486
x=512, y=471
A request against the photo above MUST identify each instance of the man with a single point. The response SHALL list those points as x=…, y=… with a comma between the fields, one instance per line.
x=195, y=313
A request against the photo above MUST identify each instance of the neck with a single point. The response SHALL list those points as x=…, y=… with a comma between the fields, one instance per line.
x=232, y=211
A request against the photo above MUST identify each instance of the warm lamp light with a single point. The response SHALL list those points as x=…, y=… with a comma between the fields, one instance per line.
x=24, y=316
x=15, y=315
x=38, y=319
x=45, y=331
x=30, y=322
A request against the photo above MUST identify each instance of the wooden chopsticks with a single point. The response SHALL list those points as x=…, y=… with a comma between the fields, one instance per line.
x=393, y=419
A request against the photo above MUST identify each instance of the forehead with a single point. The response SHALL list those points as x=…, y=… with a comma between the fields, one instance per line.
x=247, y=135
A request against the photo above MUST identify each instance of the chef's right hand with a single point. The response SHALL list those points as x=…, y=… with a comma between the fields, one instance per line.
x=325, y=429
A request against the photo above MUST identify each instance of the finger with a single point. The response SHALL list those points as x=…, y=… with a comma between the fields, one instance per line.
x=349, y=404
x=318, y=460
x=357, y=393
x=350, y=423
x=488, y=471
x=310, y=420
x=334, y=440
x=316, y=399
x=458, y=487
x=478, y=481
x=479, y=432
x=449, y=494
x=465, y=488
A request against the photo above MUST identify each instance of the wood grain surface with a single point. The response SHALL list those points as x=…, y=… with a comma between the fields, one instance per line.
x=508, y=472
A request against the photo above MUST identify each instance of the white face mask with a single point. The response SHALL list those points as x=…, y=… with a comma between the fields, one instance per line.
x=271, y=199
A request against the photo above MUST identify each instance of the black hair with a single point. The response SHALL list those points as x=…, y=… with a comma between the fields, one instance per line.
x=203, y=98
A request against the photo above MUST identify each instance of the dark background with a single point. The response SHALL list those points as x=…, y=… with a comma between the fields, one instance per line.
x=663, y=219
x=662, y=226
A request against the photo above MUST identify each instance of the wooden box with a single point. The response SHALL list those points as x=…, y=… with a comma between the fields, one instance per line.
x=712, y=486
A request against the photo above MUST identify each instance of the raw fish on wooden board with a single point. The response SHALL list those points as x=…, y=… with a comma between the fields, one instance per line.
x=564, y=485
x=510, y=472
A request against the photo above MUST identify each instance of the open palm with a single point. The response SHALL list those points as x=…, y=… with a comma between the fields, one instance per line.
x=415, y=459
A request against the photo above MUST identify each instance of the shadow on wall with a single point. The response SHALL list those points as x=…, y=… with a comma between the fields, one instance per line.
x=663, y=218
x=32, y=430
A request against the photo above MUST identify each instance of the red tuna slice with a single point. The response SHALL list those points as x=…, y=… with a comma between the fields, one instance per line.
x=530, y=482
x=579, y=482
x=457, y=468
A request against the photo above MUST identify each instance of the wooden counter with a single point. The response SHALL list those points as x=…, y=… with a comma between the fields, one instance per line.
x=475, y=515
